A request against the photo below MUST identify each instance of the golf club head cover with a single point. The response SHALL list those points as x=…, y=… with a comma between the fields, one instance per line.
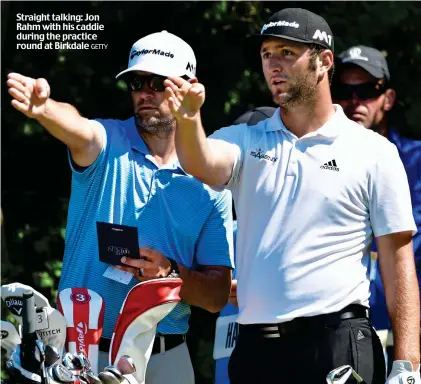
x=83, y=310
x=11, y=294
x=17, y=372
x=146, y=304
x=54, y=331
x=10, y=338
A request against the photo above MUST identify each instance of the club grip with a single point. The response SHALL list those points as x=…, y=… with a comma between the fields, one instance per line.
x=28, y=312
x=29, y=335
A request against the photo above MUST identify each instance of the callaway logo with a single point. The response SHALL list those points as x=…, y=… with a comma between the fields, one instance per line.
x=410, y=380
x=258, y=154
x=15, y=305
x=118, y=251
x=4, y=334
x=82, y=330
x=323, y=36
x=152, y=52
x=81, y=298
x=279, y=24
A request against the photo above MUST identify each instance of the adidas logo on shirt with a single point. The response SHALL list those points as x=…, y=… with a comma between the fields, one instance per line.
x=331, y=165
x=360, y=335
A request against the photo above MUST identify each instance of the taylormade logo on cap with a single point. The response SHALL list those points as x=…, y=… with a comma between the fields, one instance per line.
x=162, y=53
x=282, y=23
x=151, y=51
x=300, y=25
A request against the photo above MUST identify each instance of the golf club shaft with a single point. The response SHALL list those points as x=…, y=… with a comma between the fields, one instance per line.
x=29, y=336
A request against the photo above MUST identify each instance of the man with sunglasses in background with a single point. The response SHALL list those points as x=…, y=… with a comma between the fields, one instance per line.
x=362, y=87
x=127, y=172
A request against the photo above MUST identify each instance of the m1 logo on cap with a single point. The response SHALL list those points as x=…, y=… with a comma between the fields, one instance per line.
x=4, y=334
x=81, y=298
x=15, y=304
x=323, y=36
x=190, y=67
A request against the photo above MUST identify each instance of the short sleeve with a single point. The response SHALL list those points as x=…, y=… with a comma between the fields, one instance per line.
x=83, y=173
x=234, y=135
x=215, y=244
x=389, y=197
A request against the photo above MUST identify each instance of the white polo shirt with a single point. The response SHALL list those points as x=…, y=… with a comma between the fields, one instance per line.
x=307, y=209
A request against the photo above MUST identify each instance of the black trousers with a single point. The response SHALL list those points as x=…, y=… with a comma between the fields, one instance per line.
x=307, y=355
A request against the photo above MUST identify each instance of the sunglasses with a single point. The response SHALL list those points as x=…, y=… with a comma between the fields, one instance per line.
x=155, y=82
x=362, y=91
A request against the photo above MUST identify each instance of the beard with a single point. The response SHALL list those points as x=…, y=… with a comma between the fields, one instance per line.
x=301, y=92
x=154, y=125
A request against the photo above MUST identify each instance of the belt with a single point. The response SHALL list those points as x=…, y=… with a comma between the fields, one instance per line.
x=161, y=343
x=268, y=331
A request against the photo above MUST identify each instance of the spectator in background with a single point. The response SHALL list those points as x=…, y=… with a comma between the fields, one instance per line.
x=362, y=87
x=251, y=117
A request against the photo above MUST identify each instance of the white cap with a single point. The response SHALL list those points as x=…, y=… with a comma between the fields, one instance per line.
x=162, y=53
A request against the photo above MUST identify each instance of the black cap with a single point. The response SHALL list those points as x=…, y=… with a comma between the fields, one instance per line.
x=255, y=115
x=370, y=59
x=298, y=24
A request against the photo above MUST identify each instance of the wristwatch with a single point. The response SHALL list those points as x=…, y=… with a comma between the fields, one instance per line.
x=175, y=272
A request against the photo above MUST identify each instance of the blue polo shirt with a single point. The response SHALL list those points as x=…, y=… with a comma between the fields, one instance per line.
x=174, y=213
x=410, y=154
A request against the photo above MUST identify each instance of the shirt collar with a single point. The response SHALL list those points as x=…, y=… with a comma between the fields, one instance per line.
x=330, y=129
x=138, y=144
x=136, y=141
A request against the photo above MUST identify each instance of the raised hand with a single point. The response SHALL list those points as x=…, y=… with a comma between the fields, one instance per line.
x=29, y=95
x=185, y=99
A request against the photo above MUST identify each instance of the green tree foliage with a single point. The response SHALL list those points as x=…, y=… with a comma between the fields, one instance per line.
x=35, y=173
